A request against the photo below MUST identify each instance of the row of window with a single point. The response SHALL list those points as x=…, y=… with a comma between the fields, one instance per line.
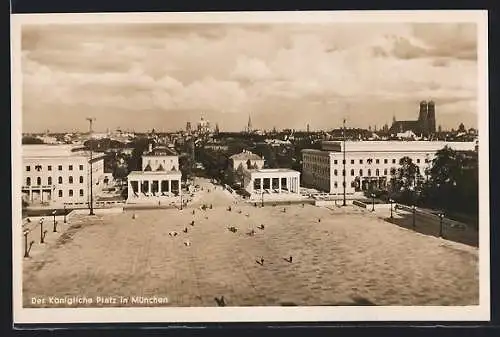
x=369, y=172
x=377, y=161
x=70, y=193
x=49, y=180
x=49, y=168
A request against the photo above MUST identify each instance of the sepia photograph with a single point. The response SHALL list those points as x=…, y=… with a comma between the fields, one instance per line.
x=198, y=167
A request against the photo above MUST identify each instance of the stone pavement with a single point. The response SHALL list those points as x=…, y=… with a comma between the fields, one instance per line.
x=341, y=256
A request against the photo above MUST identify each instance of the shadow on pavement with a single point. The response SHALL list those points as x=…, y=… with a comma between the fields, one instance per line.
x=430, y=225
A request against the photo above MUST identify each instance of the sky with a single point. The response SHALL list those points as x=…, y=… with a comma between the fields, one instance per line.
x=144, y=76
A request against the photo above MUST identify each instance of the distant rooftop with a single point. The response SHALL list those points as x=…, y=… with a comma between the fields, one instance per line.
x=160, y=151
x=246, y=155
x=271, y=170
x=56, y=150
x=395, y=146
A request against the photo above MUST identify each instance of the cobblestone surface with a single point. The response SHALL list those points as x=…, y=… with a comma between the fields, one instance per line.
x=341, y=256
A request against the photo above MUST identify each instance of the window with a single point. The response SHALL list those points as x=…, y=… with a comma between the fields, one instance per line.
x=385, y=161
x=59, y=180
x=335, y=184
x=352, y=172
x=369, y=173
x=418, y=160
x=70, y=193
x=81, y=167
x=335, y=162
x=49, y=168
x=81, y=179
x=70, y=167
x=60, y=193
x=361, y=161
x=335, y=172
x=28, y=181
x=70, y=179
x=352, y=161
x=81, y=192
x=394, y=161
x=385, y=172
x=59, y=167
x=343, y=172
x=377, y=172
x=49, y=181
x=426, y=160
x=28, y=168
x=377, y=161
x=38, y=168
x=360, y=173
x=343, y=162
x=38, y=181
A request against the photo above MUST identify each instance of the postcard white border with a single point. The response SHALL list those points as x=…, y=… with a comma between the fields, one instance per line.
x=480, y=312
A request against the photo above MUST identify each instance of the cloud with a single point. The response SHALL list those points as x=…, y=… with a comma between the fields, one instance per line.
x=158, y=69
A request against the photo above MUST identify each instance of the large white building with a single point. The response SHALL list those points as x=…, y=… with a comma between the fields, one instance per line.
x=368, y=164
x=159, y=179
x=57, y=175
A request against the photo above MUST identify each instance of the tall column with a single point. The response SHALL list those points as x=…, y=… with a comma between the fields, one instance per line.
x=169, y=186
x=129, y=188
x=298, y=185
x=159, y=186
x=279, y=184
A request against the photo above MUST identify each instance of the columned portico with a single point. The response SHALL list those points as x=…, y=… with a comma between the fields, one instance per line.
x=280, y=182
x=153, y=185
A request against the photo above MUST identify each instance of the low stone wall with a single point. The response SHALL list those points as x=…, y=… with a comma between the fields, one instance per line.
x=359, y=204
x=97, y=211
x=59, y=218
x=336, y=202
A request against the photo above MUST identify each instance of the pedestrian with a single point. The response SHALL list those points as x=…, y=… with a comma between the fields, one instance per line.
x=262, y=261
x=290, y=259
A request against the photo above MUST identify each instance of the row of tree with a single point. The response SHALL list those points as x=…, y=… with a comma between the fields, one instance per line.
x=451, y=183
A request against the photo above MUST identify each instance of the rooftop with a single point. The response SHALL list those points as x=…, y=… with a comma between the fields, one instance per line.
x=395, y=146
x=56, y=151
x=160, y=151
x=153, y=173
x=272, y=170
x=245, y=155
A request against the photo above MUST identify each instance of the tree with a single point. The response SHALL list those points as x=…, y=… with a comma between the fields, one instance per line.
x=407, y=180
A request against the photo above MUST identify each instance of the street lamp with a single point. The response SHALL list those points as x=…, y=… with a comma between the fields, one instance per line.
x=373, y=202
x=414, y=210
x=42, y=232
x=391, y=202
x=90, y=119
x=441, y=217
x=55, y=223
x=26, y=248
x=64, y=213
x=262, y=194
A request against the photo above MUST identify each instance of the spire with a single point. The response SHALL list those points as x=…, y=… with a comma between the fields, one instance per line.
x=249, y=126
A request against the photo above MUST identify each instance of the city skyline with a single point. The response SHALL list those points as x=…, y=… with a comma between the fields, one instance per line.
x=284, y=75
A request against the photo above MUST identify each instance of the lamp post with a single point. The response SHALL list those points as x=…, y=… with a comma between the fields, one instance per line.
x=373, y=202
x=42, y=232
x=391, y=202
x=262, y=194
x=414, y=210
x=55, y=223
x=64, y=213
x=26, y=249
x=441, y=217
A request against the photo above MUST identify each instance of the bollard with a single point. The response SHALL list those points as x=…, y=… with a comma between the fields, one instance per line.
x=441, y=217
x=42, y=232
x=55, y=222
x=26, y=249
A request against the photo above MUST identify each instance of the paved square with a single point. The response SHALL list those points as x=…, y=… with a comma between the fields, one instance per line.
x=341, y=256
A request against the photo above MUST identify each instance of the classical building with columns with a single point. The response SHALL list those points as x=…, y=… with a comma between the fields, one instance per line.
x=279, y=182
x=368, y=164
x=159, y=180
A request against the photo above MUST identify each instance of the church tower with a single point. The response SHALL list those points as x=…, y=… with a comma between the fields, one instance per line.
x=249, y=124
x=431, y=117
x=422, y=118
